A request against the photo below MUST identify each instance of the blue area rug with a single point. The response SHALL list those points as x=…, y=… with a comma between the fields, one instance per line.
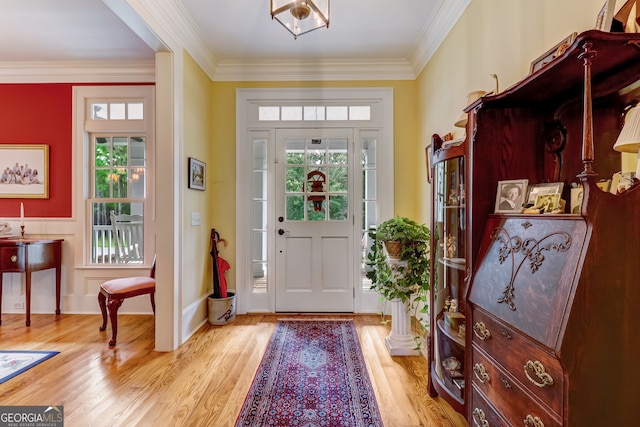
x=15, y=362
x=312, y=374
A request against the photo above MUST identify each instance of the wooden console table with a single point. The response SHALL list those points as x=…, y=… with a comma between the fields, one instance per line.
x=27, y=255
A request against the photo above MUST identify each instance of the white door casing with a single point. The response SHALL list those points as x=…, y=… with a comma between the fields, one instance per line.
x=256, y=291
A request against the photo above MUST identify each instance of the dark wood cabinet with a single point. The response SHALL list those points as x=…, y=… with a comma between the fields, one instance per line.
x=551, y=308
x=449, y=272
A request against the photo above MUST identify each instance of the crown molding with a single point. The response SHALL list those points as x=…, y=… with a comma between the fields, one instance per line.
x=78, y=72
x=314, y=70
x=172, y=23
x=435, y=31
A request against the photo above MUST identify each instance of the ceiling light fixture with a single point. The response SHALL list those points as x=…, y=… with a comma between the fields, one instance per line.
x=301, y=16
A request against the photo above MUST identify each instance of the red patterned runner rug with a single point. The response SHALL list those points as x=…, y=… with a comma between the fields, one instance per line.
x=312, y=374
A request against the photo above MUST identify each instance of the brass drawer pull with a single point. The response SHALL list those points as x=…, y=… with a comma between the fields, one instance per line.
x=481, y=373
x=530, y=421
x=14, y=258
x=479, y=418
x=538, y=369
x=481, y=331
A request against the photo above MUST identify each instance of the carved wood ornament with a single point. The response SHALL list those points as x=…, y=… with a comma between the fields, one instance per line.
x=530, y=249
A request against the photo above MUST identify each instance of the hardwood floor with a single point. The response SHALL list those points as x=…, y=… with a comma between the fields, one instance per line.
x=202, y=383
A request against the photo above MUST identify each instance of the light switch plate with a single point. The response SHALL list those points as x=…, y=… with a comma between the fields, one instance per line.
x=195, y=218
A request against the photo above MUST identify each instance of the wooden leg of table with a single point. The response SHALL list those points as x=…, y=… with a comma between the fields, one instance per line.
x=0, y=298
x=28, y=303
x=58, y=289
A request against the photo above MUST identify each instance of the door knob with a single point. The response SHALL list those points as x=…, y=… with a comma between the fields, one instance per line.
x=281, y=231
x=280, y=219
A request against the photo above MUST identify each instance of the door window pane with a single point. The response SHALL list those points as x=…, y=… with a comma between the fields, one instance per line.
x=294, y=208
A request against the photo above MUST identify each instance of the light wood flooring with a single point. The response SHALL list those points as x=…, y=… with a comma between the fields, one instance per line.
x=202, y=383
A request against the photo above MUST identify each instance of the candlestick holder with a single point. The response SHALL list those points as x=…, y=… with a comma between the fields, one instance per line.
x=22, y=231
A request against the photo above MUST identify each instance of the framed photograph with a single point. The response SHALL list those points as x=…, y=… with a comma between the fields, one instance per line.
x=605, y=17
x=605, y=185
x=427, y=152
x=511, y=195
x=552, y=54
x=24, y=171
x=548, y=203
x=197, y=174
x=577, y=193
x=541, y=189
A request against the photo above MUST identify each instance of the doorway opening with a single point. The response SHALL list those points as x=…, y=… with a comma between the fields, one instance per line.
x=314, y=173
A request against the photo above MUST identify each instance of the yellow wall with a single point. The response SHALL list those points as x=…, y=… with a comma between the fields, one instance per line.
x=492, y=36
x=197, y=143
x=222, y=161
x=498, y=37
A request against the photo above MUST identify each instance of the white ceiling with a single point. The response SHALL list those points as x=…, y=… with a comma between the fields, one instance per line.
x=236, y=33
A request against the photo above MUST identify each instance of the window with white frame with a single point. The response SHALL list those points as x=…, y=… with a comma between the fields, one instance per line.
x=118, y=173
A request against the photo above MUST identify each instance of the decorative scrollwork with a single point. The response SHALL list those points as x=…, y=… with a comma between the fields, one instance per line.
x=540, y=372
x=481, y=331
x=479, y=418
x=531, y=249
x=531, y=421
x=481, y=373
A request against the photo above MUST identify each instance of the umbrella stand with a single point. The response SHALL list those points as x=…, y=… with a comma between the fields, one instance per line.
x=222, y=304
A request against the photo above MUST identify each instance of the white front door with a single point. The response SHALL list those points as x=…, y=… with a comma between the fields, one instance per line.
x=314, y=220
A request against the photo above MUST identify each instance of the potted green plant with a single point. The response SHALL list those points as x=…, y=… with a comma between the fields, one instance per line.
x=404, y=276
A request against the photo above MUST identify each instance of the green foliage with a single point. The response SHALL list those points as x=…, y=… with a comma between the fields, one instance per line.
x=409, y=278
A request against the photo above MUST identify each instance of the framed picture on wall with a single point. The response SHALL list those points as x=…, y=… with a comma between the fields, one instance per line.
x=197, y=174
x=24, y=171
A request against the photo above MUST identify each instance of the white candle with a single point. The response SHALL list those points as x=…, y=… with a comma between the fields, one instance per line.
x=21, y=214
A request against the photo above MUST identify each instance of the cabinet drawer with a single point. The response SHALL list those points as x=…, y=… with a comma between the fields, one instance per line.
x=507, y=394
x=483, y=414
x=539, y=371
x=12, y=258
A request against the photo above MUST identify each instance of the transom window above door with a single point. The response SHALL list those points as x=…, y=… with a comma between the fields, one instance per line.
x=314, y=113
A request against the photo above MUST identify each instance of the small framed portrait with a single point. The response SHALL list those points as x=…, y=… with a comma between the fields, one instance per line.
x=511, y=195
x=427, y=152
x=577, y=193
x=197, y=174
x=542, y=189
x=605, y=17
x=548, y=203
x=552, y=53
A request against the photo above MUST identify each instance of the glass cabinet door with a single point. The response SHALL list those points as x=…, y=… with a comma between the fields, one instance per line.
x=449, y=239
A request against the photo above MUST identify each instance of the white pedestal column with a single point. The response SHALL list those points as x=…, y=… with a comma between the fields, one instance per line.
x=400, y=341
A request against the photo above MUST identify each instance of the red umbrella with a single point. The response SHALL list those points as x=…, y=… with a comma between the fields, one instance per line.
x=220, y=265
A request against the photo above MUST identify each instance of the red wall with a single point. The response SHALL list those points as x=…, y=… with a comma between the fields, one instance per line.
x=40, y=114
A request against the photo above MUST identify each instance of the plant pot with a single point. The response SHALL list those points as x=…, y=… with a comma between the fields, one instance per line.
x=222, y=310
x=393, y=247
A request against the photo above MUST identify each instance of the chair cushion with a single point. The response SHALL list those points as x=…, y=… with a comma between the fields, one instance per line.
x=129, y=286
